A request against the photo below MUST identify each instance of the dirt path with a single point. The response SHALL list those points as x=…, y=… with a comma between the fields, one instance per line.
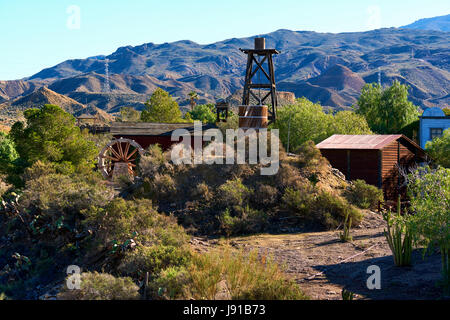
x=323, y=266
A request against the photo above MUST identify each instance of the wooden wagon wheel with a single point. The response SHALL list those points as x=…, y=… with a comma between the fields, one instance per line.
x=119, y=151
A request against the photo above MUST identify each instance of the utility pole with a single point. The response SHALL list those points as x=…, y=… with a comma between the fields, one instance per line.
x=107, y=87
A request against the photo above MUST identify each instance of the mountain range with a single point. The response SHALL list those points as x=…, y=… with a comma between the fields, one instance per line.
x=327, y=68
x=437, y=24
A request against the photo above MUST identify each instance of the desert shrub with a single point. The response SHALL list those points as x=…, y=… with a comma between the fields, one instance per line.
x=39, y=169
x=228, y=223
x=170, y=284
x=265, y=195
x=102, y=286
x=297, y=201
x=232, y=123
x=161, y=187
x=364, y=195
x=247, y=276
x=243, y=220
x=288, y=176
x=4, y=186
x=331, y=210
x=324, y=208
x=202, y=191
x=150, y=163
x=153, y=260
x=234, y=193
x=59, y=197
x=429, y=191
x=122, y=220
x=310, y=156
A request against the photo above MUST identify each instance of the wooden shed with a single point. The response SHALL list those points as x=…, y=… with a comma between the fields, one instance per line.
x=373, y=158
x=146, y=133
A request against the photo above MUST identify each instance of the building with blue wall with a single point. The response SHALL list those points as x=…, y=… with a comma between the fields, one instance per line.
x=433, y=123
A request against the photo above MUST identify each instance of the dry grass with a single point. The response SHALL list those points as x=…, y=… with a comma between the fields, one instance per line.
x=247, y=275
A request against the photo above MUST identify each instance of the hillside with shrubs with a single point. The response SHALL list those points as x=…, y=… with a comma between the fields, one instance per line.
x=57, y=210
x=137, y=238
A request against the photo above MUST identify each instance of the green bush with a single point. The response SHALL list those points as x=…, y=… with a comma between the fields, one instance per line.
x=234, y=193
x=170, y=284
x=51, y=135
x=8, y=153
x=58, y=198
x=331, y=210
x=245, y=220
x=102, y=286
x=364, y=195
x=310, y=156
x=439, y=149
x=153, y=260
x=324, y=208
x=298, y=202
x=206, y=113
x=122, y=220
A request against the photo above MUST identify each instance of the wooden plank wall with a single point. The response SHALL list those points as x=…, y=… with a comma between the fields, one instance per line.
x=337, y=159
x=364, y=165
x=393, y=154
x=389, y=172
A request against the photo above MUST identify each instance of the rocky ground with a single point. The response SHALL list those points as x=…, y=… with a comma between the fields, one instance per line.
x=323, y=266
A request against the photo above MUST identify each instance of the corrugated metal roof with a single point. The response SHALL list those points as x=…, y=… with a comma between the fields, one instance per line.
x=362, y=142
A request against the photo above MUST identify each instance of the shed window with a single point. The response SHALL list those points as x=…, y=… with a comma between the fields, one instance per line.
x=436, y=133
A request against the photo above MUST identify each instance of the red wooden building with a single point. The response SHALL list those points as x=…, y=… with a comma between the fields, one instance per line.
x=373, y=158
x=146, y=134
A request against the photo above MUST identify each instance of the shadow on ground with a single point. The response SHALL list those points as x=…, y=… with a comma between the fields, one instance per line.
x=409, y=283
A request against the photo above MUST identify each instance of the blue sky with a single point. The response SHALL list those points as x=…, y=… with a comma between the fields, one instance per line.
x=40, y=34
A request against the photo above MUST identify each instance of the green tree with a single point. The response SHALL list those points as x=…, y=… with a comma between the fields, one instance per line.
x=129, y=114
x=193, y=97
x=8, y=153
x=50, y=135
x=429, y=192
x=348, y=122
x=439, y=149
x=306, y=121
x=301, y=122
x=387, y=110
x=161, y=108
x=204, y=112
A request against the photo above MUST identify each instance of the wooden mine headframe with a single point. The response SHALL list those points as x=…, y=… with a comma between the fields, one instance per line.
x=259, y=56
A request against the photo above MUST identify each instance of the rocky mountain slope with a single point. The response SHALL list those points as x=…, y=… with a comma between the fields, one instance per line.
x=323, y=67
x=441, y=23
x=12, y=110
